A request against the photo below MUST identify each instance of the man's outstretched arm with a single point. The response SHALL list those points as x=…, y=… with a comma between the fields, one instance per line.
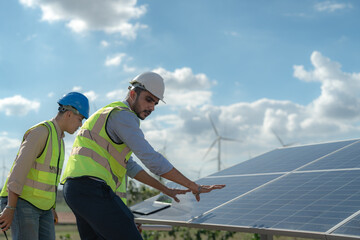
x=177, y=177
x=144, y=177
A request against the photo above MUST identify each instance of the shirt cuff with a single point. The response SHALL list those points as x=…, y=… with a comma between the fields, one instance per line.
x=132, y=169
x=15, y=187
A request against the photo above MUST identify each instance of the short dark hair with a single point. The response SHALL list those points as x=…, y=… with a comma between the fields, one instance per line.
x=63, y=108
x=138, y=90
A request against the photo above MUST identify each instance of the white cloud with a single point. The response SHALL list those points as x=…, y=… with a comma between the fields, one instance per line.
x=111, y=16
x=78, y=25
x=129, y=69
x=7, y=143
x=116, y=94
x=28, y=3
x=187, y=98
x=104, y=43
x=18, y=106
x=115, y=60
x=333, y=115
x=184, y=88
x=50, y=14
x=339, y=97
x=184, y=78
x=91, y=95
x=77, y=89
x=331, y=6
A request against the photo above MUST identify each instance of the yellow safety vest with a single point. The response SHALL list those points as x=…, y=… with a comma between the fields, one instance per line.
x=95, y=154
x=43, y=178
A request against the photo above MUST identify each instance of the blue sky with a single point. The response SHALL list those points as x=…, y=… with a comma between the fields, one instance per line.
x=257, y=68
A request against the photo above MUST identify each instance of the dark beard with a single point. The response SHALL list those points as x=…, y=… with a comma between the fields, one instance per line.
x=137, y=111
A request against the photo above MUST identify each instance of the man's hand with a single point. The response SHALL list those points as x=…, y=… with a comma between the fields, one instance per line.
x=139, y=227
x=145, y=178
x=172, y=192
x=206, y=189
x=56, y=219
x=6, y=218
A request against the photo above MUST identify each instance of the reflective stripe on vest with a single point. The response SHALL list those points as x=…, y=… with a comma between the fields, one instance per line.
x=42, y=180
x=119, y=156
x=121, y=191
x=95, y=154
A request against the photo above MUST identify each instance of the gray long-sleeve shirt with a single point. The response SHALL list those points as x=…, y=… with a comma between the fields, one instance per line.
x=124, y=126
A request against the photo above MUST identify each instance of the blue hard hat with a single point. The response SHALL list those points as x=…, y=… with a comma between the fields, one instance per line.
x=77, y=101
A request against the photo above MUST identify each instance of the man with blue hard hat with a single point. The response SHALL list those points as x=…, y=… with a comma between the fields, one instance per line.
x=29, y=194
x=76, y=102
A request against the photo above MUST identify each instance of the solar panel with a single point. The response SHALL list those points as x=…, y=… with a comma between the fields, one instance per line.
x=284, y=159
x=293, y=202
x=189, y=208
x=307, y=191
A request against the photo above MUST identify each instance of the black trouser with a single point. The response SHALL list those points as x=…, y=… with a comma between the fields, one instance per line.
x=100, y=214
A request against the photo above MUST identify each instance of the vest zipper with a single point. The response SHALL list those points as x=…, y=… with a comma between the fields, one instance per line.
x=57, y=168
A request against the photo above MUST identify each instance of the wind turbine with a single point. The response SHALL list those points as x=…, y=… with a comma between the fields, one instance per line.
x=218, y=140
x=281, y=142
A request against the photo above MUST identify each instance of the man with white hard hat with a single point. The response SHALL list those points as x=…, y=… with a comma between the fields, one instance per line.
x=151, y=82
x=101, y=156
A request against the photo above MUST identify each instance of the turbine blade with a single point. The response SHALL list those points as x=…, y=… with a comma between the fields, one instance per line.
x=290, y=144
x=230, y=139
x=213, y=125
x=278, y=138
x=211, y=146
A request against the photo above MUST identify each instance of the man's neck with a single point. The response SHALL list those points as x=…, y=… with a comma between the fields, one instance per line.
x=60, y=123
x=127, y=102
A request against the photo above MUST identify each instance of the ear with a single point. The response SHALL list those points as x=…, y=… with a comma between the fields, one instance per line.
x=132, y=95
x=68, y=114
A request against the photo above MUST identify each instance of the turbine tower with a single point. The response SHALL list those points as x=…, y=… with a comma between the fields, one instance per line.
x=218, y=140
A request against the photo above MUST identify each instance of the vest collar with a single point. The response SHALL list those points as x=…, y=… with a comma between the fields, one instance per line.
x=57, y=127
x=126, y=103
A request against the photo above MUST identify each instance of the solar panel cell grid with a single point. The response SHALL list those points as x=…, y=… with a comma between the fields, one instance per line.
x=325, y=204
x=348, y=157
x=283, y=159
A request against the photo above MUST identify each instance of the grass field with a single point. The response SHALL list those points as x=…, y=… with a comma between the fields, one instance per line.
x=61, y=232
x=69, y=232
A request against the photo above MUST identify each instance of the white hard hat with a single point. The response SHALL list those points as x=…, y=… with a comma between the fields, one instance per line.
x=151, y=82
